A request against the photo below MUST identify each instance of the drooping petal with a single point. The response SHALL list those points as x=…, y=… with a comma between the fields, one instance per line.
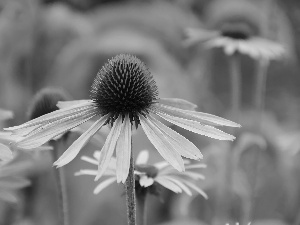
x=204, y=118
x=180, y=184
x=195, y=36
x=112, y=163
x=168, y=184
x=77, y=145
x=142, y=157
x=193, y=175
x=109, y=147
x=159, y=141
x=40, y=138
x=5, y=153
x=89, y=160
x=67, y=104
x=54, y=116
x=123, y=151
x=104, y=184
x=86, y=172
x=177, y=103
x=194, y=187
x=196, y=127
x=182, y=145
x=196, y=166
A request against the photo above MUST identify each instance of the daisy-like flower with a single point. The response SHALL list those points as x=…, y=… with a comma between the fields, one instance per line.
x=147, y=176
x=236, y=37
x=124, y=94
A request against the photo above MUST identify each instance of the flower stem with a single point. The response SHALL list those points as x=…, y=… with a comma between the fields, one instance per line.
x=61, y=186
x=235, y=78
x=260, y=93
x=130, y=194
x=142, y=207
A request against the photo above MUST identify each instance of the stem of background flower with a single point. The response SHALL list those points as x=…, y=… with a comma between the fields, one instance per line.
x=130, y=194
x=61, y=186
x=259, y=101
x=235, y=78
x=260, y=92
x=141, y=199
x=223, y=206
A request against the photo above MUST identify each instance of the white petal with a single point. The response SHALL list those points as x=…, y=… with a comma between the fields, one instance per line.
x=182, y=145
x=86, y=172
x=112, y=163
x=193, y=175
x=178, y=103
x=196, y=127
x=89, y=160
x=55, y=115
x=146, y=181
x=67, y=104
x=168, y=184
x=161, y=165
x=40, y=138
x=109, y=147
x=123, y=151
x=104, y=184
x=5, y=153
x=142, y=157
x=195, y=166
x=180, y=184
x=200, y=117
x=74, y=149
x=193, y=186
x=159, y=141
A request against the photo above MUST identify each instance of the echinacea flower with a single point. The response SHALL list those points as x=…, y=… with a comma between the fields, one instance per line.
x=147, y=175
x=236, y=37
x=124, y=94
x=10, y=180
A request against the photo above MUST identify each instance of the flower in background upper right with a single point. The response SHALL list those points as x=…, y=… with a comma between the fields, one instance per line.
x=239, y=27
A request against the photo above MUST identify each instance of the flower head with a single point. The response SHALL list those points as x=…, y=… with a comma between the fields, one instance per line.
x=148, y=176
x=236, y=37
x=124, y=93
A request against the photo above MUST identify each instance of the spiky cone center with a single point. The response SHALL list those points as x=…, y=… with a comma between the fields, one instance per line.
x=124, y=86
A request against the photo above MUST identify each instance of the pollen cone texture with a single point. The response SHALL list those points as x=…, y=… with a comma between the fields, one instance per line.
x=45, y=101
x=124, y=86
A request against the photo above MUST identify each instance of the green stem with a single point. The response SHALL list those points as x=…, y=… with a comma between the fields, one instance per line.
x=130, y=194
x=141, y=199
x=61, y=186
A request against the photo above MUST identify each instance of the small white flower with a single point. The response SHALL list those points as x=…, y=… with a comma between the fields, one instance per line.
x=147, y=175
